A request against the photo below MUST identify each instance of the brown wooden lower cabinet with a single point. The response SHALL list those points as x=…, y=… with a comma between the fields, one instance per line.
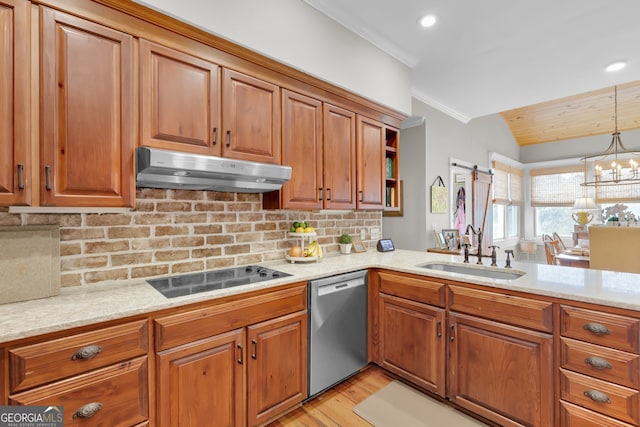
x=115, y=396
x=203, y=382
x=577, y=416
x=501, y=372
x=412, y=343
x=277, y=366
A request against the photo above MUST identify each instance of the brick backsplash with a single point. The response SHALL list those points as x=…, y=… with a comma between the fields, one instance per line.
x=172, y=231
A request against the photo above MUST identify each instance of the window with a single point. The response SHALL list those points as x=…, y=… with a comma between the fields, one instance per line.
x=507, y=198
x=553, y=192
x=506, y=220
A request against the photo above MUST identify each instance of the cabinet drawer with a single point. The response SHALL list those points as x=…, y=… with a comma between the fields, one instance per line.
x=601, y=362
x=118, y=391
x=601, y=396
x=49, y=361
x=525, y=312
x=576, y=416
x=609, y=330
x=413, y=288
x=194, y=325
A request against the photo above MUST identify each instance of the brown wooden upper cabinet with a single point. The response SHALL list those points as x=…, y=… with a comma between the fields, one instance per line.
x=319, y=143
x=86, y=113
x=339, y=152
x=302, y=150
x=250, y=118
x=371, y=163
x=179, y=105
x=15, y=167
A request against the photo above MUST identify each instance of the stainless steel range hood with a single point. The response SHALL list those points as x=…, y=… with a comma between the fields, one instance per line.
x=156, y=168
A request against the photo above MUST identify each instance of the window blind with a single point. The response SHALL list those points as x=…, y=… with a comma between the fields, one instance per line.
x=507, y=184
x=557, y=186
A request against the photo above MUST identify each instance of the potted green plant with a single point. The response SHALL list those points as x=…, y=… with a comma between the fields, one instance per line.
x=345, y=243
x=613, y=221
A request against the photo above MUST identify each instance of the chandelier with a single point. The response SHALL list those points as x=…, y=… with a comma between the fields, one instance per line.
x=616, y=165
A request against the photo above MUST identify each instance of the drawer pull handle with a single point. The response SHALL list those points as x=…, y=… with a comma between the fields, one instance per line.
x=596, y=328
x=47, y=178
x=20, y=176
x=598, y=362
x=86, y=353
x=88, y=410
x=597, y=396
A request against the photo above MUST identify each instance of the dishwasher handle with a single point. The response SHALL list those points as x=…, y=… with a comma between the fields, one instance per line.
x=339, y=286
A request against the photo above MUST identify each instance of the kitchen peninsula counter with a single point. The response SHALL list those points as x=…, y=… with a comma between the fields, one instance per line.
x=89, y=304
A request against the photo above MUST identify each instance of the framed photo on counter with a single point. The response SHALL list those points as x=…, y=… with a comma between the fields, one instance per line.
x=451, y=238
x=359, y=247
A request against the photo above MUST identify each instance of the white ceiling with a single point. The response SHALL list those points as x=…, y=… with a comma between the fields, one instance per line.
x=488, y=56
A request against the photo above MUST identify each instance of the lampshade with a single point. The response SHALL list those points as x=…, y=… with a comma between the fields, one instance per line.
x=585, y=204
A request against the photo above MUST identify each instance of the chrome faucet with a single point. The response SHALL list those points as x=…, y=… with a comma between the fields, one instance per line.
x=477, y=232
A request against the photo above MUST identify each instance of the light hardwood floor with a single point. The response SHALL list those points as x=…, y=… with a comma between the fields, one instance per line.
x=334, y=408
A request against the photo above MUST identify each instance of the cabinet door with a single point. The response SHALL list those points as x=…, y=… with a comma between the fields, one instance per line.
x=411, y=341
x=87, y=113
x=14, y=103
x=179, y=104
x=339, y=151
x=302, y=150
x=501, y=372
x=251, y=118
x=277, y=366
x=371, y=164
x=201, y=382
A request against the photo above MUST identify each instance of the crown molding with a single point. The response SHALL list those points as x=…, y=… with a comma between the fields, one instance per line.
x=439, y=106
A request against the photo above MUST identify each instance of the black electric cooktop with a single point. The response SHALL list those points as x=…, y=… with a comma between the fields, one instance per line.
x=193, y=283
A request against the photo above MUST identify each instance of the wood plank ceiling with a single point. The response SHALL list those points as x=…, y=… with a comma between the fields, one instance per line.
x=576, y=116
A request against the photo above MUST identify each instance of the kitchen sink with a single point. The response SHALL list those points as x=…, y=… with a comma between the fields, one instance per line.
x=474, y=271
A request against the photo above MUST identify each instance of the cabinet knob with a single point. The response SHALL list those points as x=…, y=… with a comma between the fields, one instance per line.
x=88, y=410
x=598, y=362
x=596, y=328
x=254, y=355
x=597, y=396
x=228, y=138
x=214, y=136
x=87, y=352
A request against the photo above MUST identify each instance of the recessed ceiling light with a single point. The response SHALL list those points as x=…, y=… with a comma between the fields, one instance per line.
x=616, y=66
x=428, y=20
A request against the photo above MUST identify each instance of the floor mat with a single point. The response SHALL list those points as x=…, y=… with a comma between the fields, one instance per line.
x=400, y=405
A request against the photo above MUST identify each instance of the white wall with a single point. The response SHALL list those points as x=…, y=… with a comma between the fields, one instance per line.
x=295, y=33
x=425, y=153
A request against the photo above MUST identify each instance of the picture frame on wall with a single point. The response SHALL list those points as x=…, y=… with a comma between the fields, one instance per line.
x=451, y=237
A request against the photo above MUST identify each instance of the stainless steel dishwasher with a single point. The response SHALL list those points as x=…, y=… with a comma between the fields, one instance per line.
x=337, y=329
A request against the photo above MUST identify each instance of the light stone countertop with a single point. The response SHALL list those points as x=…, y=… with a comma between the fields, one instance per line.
x=83, y=305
